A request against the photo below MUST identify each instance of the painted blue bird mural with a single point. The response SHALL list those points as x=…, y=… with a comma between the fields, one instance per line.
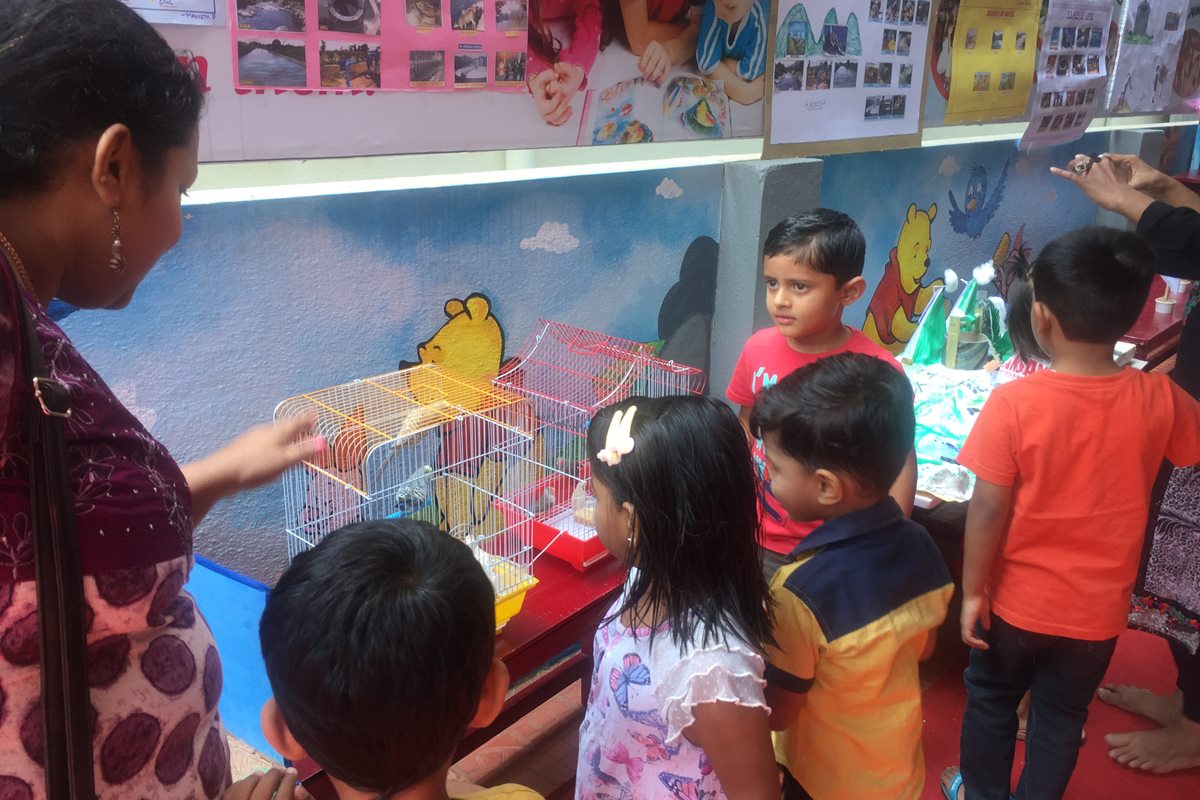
x=978, y=208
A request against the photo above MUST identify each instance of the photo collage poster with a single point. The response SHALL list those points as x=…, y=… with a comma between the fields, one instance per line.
x=856, y=72
x=994, y=55
x=180, y=12
x=372, y=45
x=1150, y=37
x=1072, y=72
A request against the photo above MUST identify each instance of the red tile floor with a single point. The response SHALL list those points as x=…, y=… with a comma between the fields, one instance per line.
x=540, y=750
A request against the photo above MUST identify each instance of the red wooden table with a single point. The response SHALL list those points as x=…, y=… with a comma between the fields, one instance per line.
x=1155, y=336
x=541, y=647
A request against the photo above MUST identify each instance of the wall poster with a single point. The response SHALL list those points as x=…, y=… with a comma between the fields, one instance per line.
x=1151, y=35
x=994, y=55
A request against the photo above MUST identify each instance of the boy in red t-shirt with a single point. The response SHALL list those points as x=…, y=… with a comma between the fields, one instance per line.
x=1065, y=461
x=812, y=266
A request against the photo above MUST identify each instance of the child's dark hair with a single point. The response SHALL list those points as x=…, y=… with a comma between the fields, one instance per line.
x=849, y=413
x=1095, y=281
x=691, y=484
x=1020, y=313
x=377, y=644
x=828, y=241
x=69, y=69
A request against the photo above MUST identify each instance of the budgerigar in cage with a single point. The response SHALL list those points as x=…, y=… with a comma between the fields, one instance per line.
x=414, y=493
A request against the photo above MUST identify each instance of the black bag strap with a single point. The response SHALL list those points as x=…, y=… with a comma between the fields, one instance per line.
x=66, y=705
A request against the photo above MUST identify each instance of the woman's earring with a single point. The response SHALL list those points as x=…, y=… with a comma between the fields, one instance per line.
x=117, y=262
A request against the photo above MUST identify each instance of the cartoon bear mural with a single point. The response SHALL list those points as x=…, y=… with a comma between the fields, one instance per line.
x=471, y=344
x=900, y=297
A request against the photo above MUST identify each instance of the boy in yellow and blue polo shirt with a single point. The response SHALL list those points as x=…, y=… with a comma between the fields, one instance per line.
x=859, y=605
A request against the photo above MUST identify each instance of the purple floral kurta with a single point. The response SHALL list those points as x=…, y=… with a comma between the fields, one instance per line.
x=153, y=667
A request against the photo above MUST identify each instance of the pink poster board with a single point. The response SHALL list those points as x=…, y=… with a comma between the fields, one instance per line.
x=379, y=45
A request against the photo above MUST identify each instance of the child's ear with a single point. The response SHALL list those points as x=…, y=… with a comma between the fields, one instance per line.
x=831, y=489
x=853, y=289
x=1042, y=320
x=491, y=699
x=279, y=736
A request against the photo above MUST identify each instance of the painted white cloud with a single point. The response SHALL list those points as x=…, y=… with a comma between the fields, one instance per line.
x=949, y=167
x=669, y=190
x=1050, y=197
x=553, y=237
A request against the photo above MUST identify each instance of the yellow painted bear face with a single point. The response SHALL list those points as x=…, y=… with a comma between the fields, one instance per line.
x=912, y=250
x=471, y=342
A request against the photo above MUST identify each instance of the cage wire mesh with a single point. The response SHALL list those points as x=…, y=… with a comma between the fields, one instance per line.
x=422, y=443
x=565, y=374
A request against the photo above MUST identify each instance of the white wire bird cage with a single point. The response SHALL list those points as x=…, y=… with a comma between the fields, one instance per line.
x=566, y=374
x=423, y=443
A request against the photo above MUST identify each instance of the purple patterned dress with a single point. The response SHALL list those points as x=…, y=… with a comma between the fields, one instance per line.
x=153, y=667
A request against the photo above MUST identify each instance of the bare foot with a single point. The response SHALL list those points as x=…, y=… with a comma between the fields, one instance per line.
x=1155, y=707
x=949, y=775
x=1168, y=749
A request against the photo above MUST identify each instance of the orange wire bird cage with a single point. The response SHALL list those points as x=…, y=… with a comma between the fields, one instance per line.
x=423, y=443
x=565, y=374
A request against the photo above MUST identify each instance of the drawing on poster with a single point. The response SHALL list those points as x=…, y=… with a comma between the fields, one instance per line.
x=796, y=37
x=1149, y=48
x=636, y=110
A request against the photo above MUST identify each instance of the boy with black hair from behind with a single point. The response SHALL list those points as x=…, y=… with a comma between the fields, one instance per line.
x=1065, y=461
x=380, y=648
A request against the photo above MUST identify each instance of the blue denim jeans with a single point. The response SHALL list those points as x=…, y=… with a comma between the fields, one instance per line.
x=1063, y=675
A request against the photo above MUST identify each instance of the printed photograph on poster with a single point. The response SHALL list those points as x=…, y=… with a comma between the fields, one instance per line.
x=789, y=75
x=264, y=61
x=470, y=70
x=512, y=16
x=990, y=46
x=350, y=66
x=424, y=14
x=687, y=107
x=855, y=48
x=1074, y=74
x=1148, y=52
x=349, y=16
x=352, y=48
x=271, y=15
x=466, y=15
x=427, y=67
x=181, y=12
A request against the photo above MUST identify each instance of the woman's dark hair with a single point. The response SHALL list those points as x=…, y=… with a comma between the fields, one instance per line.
x=69, y=69
x=850, y=413
x=691, y=484
x=377, y=644
x=1095, y=280
x=1020, y=313
x=543, y=43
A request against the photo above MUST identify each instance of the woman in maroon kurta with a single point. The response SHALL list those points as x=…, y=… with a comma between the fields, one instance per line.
x=98, y=138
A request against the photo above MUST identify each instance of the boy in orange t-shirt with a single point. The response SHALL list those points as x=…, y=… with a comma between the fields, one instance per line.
x=1065, y=460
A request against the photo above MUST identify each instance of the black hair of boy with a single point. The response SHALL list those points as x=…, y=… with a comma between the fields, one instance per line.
x=1020, y=314
x=377, y=644
x=849, y=413
x=691, y=483
x=1095, y=281
x=825, y=240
